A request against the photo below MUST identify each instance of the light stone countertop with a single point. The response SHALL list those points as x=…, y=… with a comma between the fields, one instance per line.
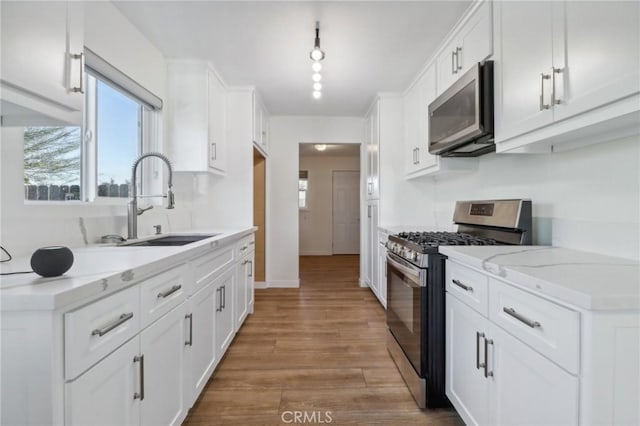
x=395, y=229
x=586, y=280
x=100, y=270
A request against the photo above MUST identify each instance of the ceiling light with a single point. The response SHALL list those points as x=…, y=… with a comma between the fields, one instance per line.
x=317, y=94
x=317, y=54
x=316, y=77
x=317, y=86
x=320, y=146
x=317, y=66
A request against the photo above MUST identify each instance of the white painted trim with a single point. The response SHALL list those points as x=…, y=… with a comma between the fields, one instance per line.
x=283, y=284
x=363, y=283
x=259, y=284
x=316, y=253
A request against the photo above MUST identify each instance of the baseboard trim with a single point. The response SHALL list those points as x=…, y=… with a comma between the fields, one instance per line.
x=363, y=283
x=259, y=284
x=282, y=284
x=316, y=253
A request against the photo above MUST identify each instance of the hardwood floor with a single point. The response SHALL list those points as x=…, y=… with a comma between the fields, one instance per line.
x=319, y=350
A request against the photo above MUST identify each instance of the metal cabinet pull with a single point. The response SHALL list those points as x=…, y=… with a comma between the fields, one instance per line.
x=370, y=188
x=190, y=341
x=219, y=291
x=417, y=155
x=113, y=324
x=167, y=293
x=369, y=211
x=458, y=51
x=478, y=336
x=453, y=63
x=251, y=270
x=462, y=286
x=80, y=57
x=214, y=151
x=244, y=248
x=543, y=77
x=554, y=100
x=140, y=395
x=224, y=296
x=512, y=312
x=487, y=373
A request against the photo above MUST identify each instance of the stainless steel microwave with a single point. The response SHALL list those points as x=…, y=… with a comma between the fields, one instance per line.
x=461, y=118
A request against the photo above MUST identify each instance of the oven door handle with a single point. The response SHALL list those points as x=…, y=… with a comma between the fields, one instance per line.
x=408, y=271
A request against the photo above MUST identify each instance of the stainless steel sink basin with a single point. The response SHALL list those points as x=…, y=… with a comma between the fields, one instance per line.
x=169, y=240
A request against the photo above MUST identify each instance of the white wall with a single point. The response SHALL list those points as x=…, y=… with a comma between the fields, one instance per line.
x=586, y=199
x=316, y=227
x=282, y=184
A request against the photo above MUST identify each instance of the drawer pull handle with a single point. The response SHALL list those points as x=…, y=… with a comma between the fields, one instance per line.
x=113, y=324
x=244, y=248
x=167, y=293
x=478, y=336
x=462, y=286
x=487, y=373
x=252, y=243
x=140, y=395
x=190, y=341
x=251, y=270
x=512, y=312
x=219, y=291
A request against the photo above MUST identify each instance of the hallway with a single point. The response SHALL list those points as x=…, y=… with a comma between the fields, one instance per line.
x=319, y=349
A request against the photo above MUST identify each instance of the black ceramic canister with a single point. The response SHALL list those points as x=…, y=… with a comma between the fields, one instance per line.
x=51, y=261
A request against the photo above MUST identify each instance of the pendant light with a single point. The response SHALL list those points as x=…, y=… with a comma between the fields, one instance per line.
x=316, y=56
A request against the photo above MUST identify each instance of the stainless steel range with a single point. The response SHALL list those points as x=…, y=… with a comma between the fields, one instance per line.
x=416, y=290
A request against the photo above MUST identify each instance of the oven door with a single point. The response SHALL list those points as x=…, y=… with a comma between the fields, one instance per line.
x=406, y=301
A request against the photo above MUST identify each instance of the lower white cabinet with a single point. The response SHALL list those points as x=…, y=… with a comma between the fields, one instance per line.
x=382, y=268
x=243, y=294
x=494, y=379
x=224, y=288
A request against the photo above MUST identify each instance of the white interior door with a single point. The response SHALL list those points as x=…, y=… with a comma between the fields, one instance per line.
x=346, y=212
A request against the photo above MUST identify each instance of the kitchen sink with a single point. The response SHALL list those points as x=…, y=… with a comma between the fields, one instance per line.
x=169, y=240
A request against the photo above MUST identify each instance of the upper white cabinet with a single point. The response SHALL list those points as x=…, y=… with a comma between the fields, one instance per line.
x=372, y=147
x=565, y=60
x=260, y=123
x=471, y=43
x=197, y=118
x=42, y=48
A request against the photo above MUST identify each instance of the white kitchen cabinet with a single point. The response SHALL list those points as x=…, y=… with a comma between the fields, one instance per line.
x=382, y=269
x=197, y=118
x=471, y=43
x=104, y=395
x=372, y=256
x=200, y=342
x=162, y=346
x=260, y=123
x=224, y=288
x=243, y=293
x=566, y=74
x=373, y=151
x=42, y=48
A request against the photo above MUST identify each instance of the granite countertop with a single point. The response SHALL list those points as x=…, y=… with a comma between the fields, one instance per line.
x=395, y=229
x=586, y=280
x=99, y=270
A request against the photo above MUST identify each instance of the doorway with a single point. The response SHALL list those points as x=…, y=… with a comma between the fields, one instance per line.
x=346, y=212
x=259, y=213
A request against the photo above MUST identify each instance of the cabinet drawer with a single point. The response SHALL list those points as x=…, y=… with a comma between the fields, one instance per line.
x=551, y=329
x=162, y=293
x=468, y=285
x=245, y=245
x=206, y=266
x=94, y=331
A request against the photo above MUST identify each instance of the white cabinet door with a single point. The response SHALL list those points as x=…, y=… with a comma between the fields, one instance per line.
x=602, y=55
x=465, y=383
x=240, y=292
x=524, y=72
x=163, y=347
x=200, y=342
x=217, y=123
x=447, y=66
x=382, y=274
x=42, y=44
x=251, y=283
x=476, y=39
x=427, y=87
x=373, y=163
x=527, y=388
x=104, y=395
x=411, y=105
x=224, y=311
x=372, y=231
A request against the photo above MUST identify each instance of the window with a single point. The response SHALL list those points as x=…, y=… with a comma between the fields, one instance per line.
x=303, y=188
x=94, y=162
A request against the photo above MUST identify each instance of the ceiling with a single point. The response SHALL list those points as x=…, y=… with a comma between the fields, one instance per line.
x=333, y=150
x=371, y=46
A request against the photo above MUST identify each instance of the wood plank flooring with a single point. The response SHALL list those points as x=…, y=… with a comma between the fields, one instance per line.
x=319, y=349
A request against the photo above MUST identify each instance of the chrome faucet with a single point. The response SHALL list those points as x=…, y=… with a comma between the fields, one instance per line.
x=132, y=208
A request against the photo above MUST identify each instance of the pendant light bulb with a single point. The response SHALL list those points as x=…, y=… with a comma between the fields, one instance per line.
x=317, y=94
x=316, y=77
x=317, y=87
x=317, y=54
x=316, y=66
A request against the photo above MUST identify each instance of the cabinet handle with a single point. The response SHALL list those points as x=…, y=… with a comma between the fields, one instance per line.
x=219, y=291
x=458, y=51
x=140, y=395
x=543, y=77
x=462, y=286
x=487, y=373
x=214, y=151
x=113, y=324
x=554, y=100
x=370, y=187
x=512, y=312
x=190, y=341
x=369, y=211
x=478, y=336
x=80, y=57
x=417, y=155
x=453, y=63
x=244, y=248
x=224, y=296
x=251, y=270
x=167, y=293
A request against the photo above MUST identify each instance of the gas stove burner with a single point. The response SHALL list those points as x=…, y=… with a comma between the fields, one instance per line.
x=435, y=239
